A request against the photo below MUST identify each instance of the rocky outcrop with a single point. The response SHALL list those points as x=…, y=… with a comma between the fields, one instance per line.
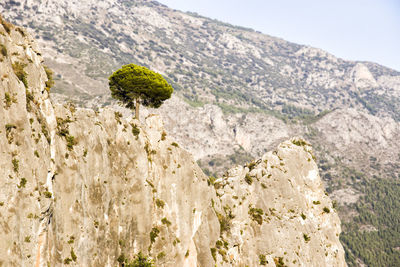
x=89, y=188
x=275, y=211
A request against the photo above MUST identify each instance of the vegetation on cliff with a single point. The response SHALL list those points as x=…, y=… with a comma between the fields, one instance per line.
x=133, y=85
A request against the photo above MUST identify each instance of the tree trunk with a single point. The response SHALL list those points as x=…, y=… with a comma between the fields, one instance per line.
x=137, y=109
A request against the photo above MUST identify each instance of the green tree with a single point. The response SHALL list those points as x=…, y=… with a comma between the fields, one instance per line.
x=133, y=85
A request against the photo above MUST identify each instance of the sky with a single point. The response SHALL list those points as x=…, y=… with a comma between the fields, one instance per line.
x=365, y=30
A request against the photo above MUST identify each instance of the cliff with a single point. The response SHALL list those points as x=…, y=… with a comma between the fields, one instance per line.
x=87, y=188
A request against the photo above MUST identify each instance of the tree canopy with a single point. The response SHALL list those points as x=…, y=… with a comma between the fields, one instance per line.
x=133, y=85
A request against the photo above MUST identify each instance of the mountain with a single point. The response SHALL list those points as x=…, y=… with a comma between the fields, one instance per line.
x=94, y=188
x=238, y=94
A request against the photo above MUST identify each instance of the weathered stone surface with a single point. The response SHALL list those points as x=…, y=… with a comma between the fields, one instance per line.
x=82, y=187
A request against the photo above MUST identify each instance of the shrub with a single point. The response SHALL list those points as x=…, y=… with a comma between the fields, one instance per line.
x=316, y=202
x=251, y=165
x=279, y=262
x=165, y=221
x=3, y=50
x=135, y=130
x=161, y=255
x=9, y=135
x=62, y=126
x=9, y=127
x=306, y=237
x=7, y=99
x=142, y=261
x=211, y=180
x=299, y=142
x=15, y=164
x=47, y=194
x=214, y=253
x=248, y=179
x=160, y=203
x=263, y=259
x=118, y=116
x=19, y=71
x=70, y=142
x=73, y=255
x=121, y=258
x=7, y=26
x=256, y=214
x=224, y=222
x=22, y=183
x=174, y=144
x=29, y=99
x=50, y=81
x=154, y=234
x=303, y=216
x=163, y=135
x=21, y=31
x=46, y=133
x=326, y=209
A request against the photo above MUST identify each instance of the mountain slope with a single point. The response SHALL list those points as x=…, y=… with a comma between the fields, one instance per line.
x=87, y=188
x=239, y=93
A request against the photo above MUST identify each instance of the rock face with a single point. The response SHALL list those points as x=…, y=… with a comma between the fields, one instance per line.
x=250, y=86
x=89, y=188
x=275, y=209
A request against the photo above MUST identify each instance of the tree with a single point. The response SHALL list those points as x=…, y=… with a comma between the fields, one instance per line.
x=133, y=85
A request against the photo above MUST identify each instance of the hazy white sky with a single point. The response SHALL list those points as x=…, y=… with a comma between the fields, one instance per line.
x=351, y=29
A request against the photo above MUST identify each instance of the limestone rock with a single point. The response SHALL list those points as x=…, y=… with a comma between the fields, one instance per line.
x=88, y=188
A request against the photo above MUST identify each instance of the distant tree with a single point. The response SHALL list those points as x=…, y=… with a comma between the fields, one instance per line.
x=133, y=85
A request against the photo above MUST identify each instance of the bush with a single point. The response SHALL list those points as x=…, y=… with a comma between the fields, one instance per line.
x=300, y=142
x=70, y=142
x=22, y=183
x=154, y=234
x=160, y=203
x=165, y=221
x=163, y=135
x=15, y=164
x=224, y=222
x=50, y=81
x=7, y=99
x=135, y=130
x=214, y=253
x=3, y=50
x=142, y=261
x=19, y=71
x=279, y=262
x=29, y=98
x=174, y=144
x=306, y=237
x=7, y=26
x=251, y=165
x=9, y=127
x=248, y=179
x=263, y=259
x=256, y=215
x=118, y=116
